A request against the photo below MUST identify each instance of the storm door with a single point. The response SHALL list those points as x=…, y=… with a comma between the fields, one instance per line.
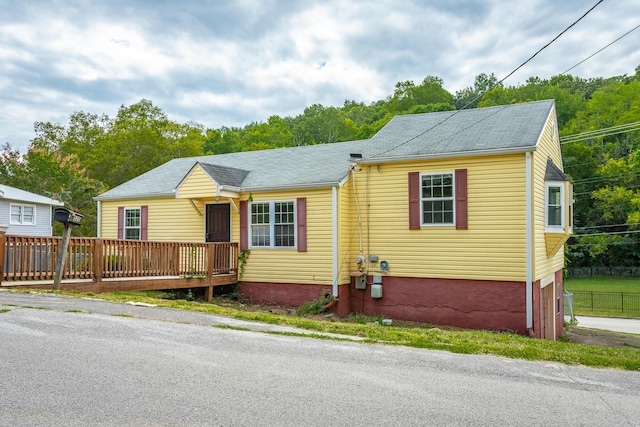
x=218, y=226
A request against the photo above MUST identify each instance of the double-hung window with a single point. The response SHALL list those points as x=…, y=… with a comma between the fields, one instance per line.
x=132, y=223
x=273, y=224
x=554, y=218
x=23, y=214
x=437, y=199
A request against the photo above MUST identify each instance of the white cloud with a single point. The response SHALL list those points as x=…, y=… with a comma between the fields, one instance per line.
x=231, y=64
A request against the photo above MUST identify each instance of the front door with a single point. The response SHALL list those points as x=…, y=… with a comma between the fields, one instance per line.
x=218, y=226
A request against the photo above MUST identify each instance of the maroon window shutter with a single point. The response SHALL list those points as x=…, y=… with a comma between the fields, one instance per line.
x=461, y=199
x=301, y=217
x=244, y=225
x=144, y=220
x=414, y=200
x=120, y=222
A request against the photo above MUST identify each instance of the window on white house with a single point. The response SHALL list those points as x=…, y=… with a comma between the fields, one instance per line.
x=555, y=206
x=273, y=224
x=23, y=214
x=132, y=223
x=437, y=199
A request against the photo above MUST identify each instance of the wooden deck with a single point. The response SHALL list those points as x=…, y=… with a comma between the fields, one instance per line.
x=108, y=265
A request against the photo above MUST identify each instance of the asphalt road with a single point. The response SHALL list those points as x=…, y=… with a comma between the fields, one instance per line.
x=70, y=362
x=617, y=324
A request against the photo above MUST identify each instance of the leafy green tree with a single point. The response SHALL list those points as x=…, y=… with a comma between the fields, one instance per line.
x=223, y=140
x=275, y=133
x=60, y=177
x=567, y=103
x=470, y=96
x=140, y=138
x=407, y=95
x=321, y=125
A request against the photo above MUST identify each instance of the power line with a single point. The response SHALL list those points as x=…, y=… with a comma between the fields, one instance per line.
x=591, y=192
x=604, y=178
x=610, y=233
x=600, y=50
x=605, y=226
x=571, y=245
x=613, y=130
x=495, y=85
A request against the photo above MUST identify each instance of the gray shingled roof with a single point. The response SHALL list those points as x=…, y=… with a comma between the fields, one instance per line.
x=477, y=131
x=12, y=193
x=515, y=127
x=554, y=173
x=231, y=177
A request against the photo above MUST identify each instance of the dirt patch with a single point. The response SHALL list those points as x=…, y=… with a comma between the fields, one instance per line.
x=603, y=338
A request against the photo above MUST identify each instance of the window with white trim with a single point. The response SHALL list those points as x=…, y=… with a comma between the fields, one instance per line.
x=437, y=199
x=273, y=224
x=554, y=215
x=23, y=214
x=132, y=223
x=570, y=201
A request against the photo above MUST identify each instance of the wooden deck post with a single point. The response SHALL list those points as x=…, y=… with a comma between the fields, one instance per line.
x=210, y=257
x=98, y=263
x=62, y=258
x=3, y=243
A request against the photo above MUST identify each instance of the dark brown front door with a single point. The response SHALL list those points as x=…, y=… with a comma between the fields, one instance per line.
x=218, y=223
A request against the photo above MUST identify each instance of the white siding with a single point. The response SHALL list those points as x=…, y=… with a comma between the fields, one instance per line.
x=42, y=226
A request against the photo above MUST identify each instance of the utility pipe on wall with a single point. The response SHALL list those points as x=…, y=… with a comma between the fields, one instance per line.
x=529, y=240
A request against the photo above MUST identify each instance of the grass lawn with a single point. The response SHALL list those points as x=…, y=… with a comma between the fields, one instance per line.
x=607, y=284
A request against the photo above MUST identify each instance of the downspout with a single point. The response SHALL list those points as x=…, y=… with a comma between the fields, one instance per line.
x=99, y=220
x=529, y=241
x=334, y=238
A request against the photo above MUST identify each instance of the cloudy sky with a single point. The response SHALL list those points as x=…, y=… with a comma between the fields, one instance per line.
x=228, y=63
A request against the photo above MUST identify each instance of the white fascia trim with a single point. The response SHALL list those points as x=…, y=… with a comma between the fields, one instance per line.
x=99, y=220
x=529, y=239
x=334, y=239
x=228, y=192
x=310, y=186
x=163, y=195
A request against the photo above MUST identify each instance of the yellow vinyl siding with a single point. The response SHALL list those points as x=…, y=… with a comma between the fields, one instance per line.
x=493, y=246
x=548, y=147
x=287, y=265
x=168, y=220
x=197, y=185
x=347, y=235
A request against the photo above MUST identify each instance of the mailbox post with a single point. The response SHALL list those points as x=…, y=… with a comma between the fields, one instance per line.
x=69, y=219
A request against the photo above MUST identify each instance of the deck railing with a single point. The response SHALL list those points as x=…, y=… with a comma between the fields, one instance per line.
x=28, y=258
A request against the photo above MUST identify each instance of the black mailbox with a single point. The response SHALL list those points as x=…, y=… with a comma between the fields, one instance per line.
x=66, y=216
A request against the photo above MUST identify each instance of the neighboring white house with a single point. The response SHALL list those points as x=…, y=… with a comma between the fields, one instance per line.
x=26, y=213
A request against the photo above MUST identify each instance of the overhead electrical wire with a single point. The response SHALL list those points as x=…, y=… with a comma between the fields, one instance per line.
x=601, y=49
x=613, y=130
x=605, y=226
x=494, y=86
x=609, y=233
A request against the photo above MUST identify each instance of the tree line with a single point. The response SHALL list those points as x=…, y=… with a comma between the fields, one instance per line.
x=76, y=161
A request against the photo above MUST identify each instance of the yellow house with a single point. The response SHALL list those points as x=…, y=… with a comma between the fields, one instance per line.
x=455, y=218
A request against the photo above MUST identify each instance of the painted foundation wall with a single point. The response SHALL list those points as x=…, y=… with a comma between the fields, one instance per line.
x=472, y=304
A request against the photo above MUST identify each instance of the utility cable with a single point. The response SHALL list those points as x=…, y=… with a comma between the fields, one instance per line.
x=613, y=130
x=600, y=50
x=494, y=86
